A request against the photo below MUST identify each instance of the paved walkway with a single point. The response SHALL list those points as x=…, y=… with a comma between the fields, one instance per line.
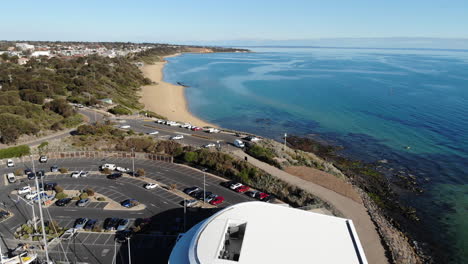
x=365, y=228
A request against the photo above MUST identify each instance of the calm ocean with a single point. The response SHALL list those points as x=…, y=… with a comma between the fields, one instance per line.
x=374, y=102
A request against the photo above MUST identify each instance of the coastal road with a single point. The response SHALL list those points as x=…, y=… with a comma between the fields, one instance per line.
x=162, y=206
x=194, y=138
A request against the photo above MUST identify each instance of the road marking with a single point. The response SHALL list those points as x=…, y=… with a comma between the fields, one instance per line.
x=70, y=210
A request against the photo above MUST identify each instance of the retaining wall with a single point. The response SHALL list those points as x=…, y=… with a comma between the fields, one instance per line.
x=92, y=154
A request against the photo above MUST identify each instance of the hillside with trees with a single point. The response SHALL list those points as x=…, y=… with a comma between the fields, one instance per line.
x=36, y=95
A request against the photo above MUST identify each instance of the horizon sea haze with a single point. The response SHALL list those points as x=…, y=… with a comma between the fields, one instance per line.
x=409, y=107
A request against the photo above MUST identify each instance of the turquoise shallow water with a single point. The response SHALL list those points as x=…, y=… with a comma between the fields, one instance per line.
x=373, y=102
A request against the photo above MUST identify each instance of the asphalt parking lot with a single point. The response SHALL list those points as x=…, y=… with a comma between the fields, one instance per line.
x=163, y=206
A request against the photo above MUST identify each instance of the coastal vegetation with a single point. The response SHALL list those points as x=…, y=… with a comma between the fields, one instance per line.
x=15, y=152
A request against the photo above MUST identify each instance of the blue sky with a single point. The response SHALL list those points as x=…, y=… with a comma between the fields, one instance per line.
x=217, y=20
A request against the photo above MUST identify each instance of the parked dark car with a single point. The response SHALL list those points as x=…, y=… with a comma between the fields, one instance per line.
x=90, y=224
x=123, y=224
x=4, y=214
x=27, y=171
x=40, y=174
x=227, y=184
x=123, y=236
x=54, y=168
x=197, y=193
x=191, y=189
x=200, y=195
x=31, y=175
x=114, y=176
x=63, y=202
x=48, y=186
x=111, y=223
x=269, y=199
x=129, y=203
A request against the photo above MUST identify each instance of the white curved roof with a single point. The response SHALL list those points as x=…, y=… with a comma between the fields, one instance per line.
x=273, y=234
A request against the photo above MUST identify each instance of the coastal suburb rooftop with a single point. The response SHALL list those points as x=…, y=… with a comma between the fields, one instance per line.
x=258, y=232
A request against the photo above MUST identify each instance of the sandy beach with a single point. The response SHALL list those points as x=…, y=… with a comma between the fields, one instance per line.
x=165, y=98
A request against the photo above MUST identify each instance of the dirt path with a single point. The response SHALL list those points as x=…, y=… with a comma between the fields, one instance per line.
x=355, y=211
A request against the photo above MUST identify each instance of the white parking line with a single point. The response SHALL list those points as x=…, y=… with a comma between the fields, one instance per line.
x=97, y=238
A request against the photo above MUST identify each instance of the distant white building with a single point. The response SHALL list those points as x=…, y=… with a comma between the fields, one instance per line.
x=259, y=232
x=40, y=53
x=24, y=46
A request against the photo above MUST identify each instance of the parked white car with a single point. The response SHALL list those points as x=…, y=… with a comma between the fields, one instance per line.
x=11, y=177
x=43, y=159
x=172, y=123
x=212, y=130
x=24, y=189
x=32, y=195
x=150, y=186
x=83, y=174
x=177, y=137
x=122, y=169
x=70, y=233
x=210, y=145
x=239, y=143
x=76, y=174
x=125, y=126
x=153, y=133
x=10, y=163
x=160, y=121
x=235, y=186
x=191, y=203
x=186, y=125
x=108, y=166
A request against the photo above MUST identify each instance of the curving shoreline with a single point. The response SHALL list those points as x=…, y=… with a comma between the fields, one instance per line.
x=166, y=99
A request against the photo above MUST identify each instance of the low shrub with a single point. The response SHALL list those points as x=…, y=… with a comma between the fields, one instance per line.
x=263, y=154
x=101, y=199
x=63, y=170
x=106, y=171
x=83, y=196
x=15, y=152
x=120, y=110
x=76, y=198
x=18, y=172
x=140, y=172
x=89, y=192
x=58, y=189
x=152, y=114
x=61, y=195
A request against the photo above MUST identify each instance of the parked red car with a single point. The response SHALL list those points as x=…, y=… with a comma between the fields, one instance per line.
x=197, y=128
x=242, y=189
x=217, y=200
x=262, y=196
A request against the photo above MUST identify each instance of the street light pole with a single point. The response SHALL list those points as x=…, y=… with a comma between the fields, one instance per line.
x=39, y=201
x=129, y=256
x=285, y=135
x=133, y=161
x=185, y=214
x=204, y=185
